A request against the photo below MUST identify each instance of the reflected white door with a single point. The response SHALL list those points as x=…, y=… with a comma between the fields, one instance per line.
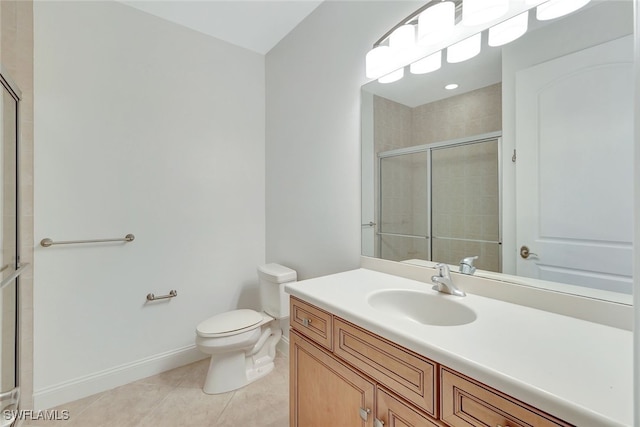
x=574, y=170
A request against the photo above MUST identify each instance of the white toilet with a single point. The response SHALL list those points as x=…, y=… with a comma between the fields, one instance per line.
x=242, y=343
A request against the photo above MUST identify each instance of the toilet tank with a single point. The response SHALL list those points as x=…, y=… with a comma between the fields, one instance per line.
x=271, y=280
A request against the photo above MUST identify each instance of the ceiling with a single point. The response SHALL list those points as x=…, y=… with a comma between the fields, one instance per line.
x=257, y=25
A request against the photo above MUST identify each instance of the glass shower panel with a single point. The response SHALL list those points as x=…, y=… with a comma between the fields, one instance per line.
x=404, y=215
x=8, y=248
x=465, y=204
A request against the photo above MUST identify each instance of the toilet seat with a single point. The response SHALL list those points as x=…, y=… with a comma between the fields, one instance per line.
x=229, y=323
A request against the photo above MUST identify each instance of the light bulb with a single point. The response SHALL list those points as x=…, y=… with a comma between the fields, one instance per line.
x=402, y=43
x=377, y=60
x=428, y=64
x=465, y=49
x=436, y=23
x=508, y=30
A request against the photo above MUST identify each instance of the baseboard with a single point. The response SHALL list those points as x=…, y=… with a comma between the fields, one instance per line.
x=78, y=388
x=283, y=346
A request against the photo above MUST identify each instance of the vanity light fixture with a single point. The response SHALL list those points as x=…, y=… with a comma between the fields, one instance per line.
x=557, y=8
x=509, y=30
x=476, y=12
x=466, y=49
x=414, y=40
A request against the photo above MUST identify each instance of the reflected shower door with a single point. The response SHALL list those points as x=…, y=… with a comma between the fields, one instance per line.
x=404, y=215
x=465, y=203
x=8, y=250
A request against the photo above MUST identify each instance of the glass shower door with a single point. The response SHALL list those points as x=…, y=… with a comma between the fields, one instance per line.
x=9, y=271
x=403, y=232
x=465, y=203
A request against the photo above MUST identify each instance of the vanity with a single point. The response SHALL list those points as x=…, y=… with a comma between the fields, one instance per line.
x=373, y=349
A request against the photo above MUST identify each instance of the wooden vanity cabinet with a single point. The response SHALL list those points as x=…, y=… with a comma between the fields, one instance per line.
x=365, y=381
x=343, y=375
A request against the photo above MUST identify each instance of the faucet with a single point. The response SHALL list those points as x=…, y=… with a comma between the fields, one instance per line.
x=443, y=282
x=466, y=265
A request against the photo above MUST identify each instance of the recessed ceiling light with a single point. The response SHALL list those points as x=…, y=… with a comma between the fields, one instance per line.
x=451, y=86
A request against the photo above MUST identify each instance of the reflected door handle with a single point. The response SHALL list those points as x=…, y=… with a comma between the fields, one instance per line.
x=525, y=253
x=369, y=224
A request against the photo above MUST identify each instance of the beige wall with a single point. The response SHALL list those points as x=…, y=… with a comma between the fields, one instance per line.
x=16, y=57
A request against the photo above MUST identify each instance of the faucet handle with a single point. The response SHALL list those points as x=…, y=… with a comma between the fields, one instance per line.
x=466, y=265
x=443, y=269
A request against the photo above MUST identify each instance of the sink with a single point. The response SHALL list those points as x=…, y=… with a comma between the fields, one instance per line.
x=421, y=307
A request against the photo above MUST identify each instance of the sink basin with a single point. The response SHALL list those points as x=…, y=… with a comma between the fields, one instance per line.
x=421, y=307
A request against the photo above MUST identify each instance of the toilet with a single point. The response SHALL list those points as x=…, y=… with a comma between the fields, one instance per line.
x=242, y=343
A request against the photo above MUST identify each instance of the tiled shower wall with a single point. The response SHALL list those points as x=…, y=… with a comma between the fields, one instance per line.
x=404, y=197
x=16, y=57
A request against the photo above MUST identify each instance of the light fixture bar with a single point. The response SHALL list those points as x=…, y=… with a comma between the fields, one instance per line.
x=413, y=19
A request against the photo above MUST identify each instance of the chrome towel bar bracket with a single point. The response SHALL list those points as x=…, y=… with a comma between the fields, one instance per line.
x=172, y=294
x=48, y=242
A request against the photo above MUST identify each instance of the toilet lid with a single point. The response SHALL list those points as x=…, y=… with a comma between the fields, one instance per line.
x=229, y=321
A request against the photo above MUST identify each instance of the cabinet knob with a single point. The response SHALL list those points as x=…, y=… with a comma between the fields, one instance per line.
x=364, y=413
x=378, y=423
x=306, y=322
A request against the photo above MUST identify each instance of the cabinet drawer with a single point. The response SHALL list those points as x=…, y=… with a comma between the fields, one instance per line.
x=395, y=413
x=404, y=373
x=312, y=322
x=469, y=403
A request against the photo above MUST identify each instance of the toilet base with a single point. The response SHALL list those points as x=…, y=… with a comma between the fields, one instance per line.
x=234, y=370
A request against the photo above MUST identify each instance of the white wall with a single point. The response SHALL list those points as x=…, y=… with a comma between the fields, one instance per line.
x=148, y=128
x=313, y=134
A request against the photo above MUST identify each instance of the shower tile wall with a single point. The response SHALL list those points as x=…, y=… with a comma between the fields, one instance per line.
x=465, y=204
x=404, y=197
x=472, y=113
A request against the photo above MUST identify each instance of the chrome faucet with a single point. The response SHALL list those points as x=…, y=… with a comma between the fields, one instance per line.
x=443, y=282
x=466, y=265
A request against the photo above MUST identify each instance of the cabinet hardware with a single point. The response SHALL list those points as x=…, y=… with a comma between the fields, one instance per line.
x=306, y=322
x=364, y=413
x=378, y=423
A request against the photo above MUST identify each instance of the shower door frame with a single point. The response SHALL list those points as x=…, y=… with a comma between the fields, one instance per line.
x=14, y=91
x=428, y=148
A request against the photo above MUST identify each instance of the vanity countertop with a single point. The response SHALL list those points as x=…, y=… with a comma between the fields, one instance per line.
x=576, y=370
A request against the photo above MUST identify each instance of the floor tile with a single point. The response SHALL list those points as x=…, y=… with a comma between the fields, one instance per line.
x=175, y=398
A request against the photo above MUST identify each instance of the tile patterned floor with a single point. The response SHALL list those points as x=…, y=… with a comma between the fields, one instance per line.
x=175, y=399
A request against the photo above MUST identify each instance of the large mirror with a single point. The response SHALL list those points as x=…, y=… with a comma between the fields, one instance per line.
x=527, y=164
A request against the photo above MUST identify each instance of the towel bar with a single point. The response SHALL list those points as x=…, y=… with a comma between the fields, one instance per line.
x=152, y=297
x=48, y=242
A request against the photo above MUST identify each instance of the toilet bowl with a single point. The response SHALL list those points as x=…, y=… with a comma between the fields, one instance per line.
x=242, y=343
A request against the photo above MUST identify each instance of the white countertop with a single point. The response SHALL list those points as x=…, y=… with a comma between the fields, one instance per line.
x=578, y=371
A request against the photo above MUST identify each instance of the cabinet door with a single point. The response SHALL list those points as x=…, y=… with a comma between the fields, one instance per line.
x=395, y=413
x=325, y=392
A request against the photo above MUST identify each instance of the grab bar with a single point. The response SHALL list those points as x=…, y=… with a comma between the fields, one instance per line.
x=48, y=242
x=152, y=297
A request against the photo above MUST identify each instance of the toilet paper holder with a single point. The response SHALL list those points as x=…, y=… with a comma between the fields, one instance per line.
x=171, y=294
